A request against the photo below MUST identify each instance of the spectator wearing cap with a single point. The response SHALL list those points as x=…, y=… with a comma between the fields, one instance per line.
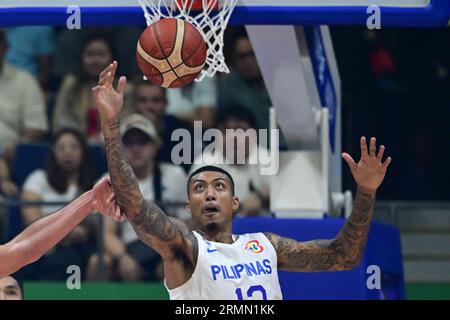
x=151, y=101
x=127, y=258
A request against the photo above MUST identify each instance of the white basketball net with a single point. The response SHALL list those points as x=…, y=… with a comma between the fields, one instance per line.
x=209, y=21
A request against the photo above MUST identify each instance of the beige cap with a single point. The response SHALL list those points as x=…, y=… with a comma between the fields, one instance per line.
x=138, y=121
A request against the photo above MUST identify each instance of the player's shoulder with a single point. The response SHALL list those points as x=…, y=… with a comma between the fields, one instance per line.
x=272, y=238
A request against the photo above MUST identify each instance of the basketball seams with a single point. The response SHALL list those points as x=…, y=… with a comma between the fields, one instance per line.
x=171, y=68
x=155, y=31
x=199, y=46
x=181, y=47
x=168, y=78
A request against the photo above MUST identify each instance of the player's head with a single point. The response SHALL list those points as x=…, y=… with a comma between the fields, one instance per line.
x=211, y=199
x=150, y=99
x=3, y=45
x=96, y=53
x=69, y=156
x=141, y=141
x=10, y=289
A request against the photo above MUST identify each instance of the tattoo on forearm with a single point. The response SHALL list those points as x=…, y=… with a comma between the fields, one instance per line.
x=114, y=125
x=153, y=221
x=147, y=218
x=151, y=224
x=341, y=253
x=354, y=234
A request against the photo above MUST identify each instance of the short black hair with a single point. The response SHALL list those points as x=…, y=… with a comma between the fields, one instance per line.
x=19, y=281
x=210, y=168
x=236, y=112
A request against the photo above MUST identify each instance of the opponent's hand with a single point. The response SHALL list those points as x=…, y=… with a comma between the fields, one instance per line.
x=108, y=101
x=105, y=200
x=369, y=172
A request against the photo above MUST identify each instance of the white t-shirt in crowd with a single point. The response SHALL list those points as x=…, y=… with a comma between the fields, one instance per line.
x=187, y=99
x=243, y=175
x=37, y=182
x=173, y=184
x=22, y=105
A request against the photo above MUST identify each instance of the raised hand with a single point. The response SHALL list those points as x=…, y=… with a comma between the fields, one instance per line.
x=369, y=172
x=105, y=200
x=108, y=101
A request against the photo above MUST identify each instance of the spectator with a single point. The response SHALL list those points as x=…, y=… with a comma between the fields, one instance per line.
x=10, y=289
x=151, y=101
x=194, y=102
x=250, y=186
x=31, y=49
x=70, y=43
x=127, y=258
x=74, y=106
x=245, y=86
x=22, y=109
x=68, y=173
x=7, y=187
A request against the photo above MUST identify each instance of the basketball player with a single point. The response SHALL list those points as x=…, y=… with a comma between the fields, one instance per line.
x=45, y=233
x=10, y=289
x=210, y=262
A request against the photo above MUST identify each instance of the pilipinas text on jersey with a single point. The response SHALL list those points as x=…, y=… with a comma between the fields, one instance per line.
x=243, y=270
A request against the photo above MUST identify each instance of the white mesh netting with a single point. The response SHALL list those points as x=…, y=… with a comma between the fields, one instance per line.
x=211, y=20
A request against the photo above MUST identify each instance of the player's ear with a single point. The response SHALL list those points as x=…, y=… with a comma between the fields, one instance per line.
x=236, y=203
x=187, y=205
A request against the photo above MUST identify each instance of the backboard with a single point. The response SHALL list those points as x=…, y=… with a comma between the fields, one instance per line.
x=288, y=12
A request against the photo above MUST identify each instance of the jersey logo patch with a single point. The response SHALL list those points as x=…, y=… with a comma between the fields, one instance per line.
x=254, y=246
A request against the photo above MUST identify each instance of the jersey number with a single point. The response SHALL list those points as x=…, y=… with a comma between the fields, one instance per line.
x=251, y=291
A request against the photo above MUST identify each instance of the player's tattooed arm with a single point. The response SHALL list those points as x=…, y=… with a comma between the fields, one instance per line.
x=346, y=250
x=168, y=236
x=151, y=224
x=342, y=253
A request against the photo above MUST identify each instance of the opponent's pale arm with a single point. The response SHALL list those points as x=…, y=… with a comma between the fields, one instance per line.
x=43, y=234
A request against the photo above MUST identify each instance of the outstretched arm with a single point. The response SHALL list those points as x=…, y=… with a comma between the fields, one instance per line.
x=346, y=250
x=45, y=233
x=151, y=224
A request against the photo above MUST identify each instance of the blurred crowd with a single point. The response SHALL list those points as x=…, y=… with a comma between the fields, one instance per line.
x=46, y=77
x=395, y=87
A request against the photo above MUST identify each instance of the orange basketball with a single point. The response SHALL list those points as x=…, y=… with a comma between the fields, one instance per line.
x=171, y=53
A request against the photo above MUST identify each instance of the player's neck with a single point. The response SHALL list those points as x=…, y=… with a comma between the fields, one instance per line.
x=220, y=236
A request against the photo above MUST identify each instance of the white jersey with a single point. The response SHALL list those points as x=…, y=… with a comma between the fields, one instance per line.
x=243, y=270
